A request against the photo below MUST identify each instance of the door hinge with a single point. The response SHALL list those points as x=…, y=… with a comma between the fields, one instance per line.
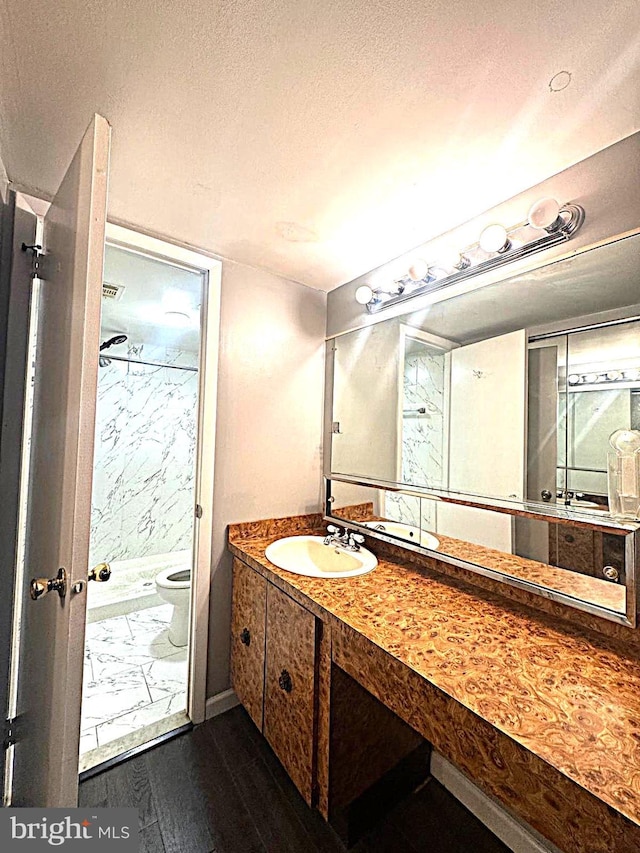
x=10, y=733
x=198, y=511
x=37, y=260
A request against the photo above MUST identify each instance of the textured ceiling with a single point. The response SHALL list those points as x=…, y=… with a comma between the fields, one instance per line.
x=317, y=140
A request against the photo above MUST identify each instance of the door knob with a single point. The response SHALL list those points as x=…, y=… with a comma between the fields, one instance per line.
x=101, y=572
x=41, y=586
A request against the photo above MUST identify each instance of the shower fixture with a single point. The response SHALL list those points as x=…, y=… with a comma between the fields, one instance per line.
x=548, y=223
x=112, y=342
x=103, y=361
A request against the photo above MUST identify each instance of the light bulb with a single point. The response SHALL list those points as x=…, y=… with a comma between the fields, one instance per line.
x=545, y=215
x=494, y=239
x=574, y=379
x=418, y=270
x=364, y=294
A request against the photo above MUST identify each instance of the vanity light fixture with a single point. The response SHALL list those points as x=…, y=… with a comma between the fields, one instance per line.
x=419, y=270
x=548, y=224
x=545, y=215
x=454, y=260
x=366, y=295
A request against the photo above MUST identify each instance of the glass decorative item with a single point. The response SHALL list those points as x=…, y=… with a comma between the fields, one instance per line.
x=624, y=474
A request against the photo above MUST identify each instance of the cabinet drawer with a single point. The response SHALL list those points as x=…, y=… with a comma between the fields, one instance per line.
x=248, y=639
x=289, y=704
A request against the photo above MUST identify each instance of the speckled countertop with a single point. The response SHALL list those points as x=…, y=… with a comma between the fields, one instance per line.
x=612, y=596
x=568, y=697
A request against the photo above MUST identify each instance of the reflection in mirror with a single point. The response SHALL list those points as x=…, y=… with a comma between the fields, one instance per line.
x=583, y=386
x=492, y=393
x=577, y=562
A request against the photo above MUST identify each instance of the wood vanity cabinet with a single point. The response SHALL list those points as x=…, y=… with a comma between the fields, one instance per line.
x=290, y=686
x=249, y=601
x=273, y=670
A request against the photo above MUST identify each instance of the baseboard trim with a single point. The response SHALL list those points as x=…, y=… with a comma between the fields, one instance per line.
x=220, y=703
x=510, y=831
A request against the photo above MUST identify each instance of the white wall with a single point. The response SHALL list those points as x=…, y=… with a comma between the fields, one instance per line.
x=269, y=425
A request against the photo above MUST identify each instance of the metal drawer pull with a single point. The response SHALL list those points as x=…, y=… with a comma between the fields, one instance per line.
x=285, y=681
x=245, y=637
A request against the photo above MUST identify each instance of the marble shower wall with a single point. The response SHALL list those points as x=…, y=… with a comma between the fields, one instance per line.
x=144, y=469
x=423, y=438
x=424, y=457
x=412, y=510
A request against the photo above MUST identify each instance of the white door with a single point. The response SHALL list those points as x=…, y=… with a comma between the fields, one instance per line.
x=58, y=518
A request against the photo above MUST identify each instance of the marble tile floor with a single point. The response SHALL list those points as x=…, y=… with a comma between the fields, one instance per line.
x=134, y=681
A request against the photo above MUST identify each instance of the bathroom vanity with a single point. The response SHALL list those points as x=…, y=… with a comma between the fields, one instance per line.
x=351, y=680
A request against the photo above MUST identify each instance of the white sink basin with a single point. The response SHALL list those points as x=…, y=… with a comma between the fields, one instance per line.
x=308, y=555
x=405, y=531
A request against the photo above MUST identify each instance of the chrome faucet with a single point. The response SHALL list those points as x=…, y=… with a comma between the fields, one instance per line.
x=335, y=536
x=345, y=538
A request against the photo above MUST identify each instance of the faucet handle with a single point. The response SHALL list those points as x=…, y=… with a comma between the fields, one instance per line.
x=356, y=537
x=331, y=528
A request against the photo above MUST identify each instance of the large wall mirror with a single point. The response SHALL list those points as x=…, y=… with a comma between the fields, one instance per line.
x=506, y=394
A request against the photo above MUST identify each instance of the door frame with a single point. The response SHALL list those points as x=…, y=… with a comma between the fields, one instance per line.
x=211, y=268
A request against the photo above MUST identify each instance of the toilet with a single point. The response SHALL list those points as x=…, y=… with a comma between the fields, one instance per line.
x=174, y=586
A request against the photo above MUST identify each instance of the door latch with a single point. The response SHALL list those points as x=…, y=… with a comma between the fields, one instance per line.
x=37, y=257
x=101, y=572
x=41, y=586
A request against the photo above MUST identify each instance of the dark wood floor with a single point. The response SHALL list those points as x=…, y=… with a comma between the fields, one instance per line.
x=220, y=788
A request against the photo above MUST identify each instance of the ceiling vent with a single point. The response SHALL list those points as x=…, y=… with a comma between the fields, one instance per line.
x=112, y=291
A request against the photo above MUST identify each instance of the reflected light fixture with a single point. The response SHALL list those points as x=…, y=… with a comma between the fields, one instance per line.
x=604, y=377
x=548, y=224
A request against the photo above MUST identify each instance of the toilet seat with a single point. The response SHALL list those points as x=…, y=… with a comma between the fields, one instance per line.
x=174, y=578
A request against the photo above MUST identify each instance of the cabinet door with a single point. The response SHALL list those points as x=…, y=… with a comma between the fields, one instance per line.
x=576, y=549
x=289, y=704
x=248, y=638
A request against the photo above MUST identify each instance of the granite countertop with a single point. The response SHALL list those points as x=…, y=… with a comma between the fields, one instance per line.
x=567, y=696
